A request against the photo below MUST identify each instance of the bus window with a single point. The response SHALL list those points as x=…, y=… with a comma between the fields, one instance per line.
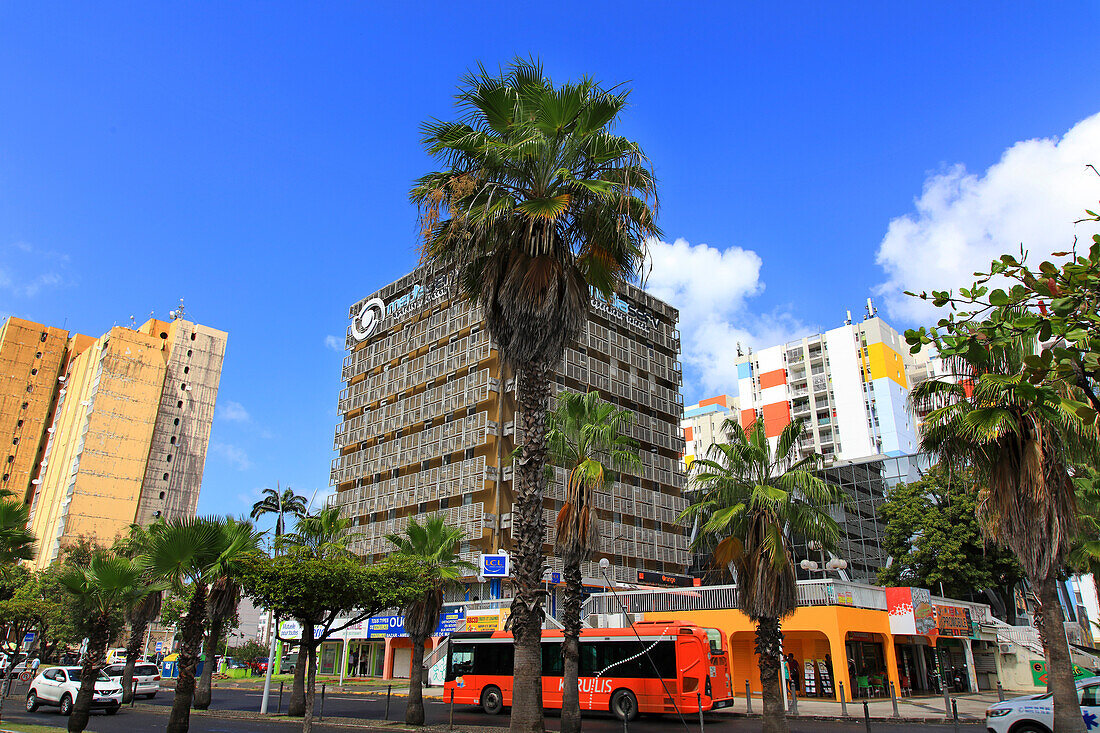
x=552, y=663
x=628, y=659
x=714, y=636
x=494, y=658
x=460, y=661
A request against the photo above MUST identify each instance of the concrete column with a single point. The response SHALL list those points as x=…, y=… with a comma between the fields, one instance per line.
x=387, y=665
x=891, y=661
x=840, y=663
x=971, y=673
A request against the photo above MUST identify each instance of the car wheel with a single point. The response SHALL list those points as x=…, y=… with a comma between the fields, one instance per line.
x=624, y=705
x=1029, y=727
x=66, y=706
x=32, y=701
x=492, y=701
x=113, y=709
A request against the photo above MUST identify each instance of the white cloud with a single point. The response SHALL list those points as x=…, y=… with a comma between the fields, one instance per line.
x=711, y=288
x=963, y=221
x=233, y=412
x=232, y=454
x=334, y=343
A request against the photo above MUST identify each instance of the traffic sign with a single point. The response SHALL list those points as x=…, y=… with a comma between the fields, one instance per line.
x=29, y=638
x=160, y=647
x=25, y=676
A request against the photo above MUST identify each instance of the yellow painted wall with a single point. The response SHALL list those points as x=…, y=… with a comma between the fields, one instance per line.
x=809, y=632
x=882, y=361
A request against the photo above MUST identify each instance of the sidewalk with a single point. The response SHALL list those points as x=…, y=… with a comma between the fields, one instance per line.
x=971, y=707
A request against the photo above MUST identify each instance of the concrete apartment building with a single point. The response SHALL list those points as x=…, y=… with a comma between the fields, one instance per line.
x=109, y=431
x=850, y=384
x=702, y=425
x=427, y=426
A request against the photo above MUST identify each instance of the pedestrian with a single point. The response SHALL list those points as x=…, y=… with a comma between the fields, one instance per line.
x=35, y=664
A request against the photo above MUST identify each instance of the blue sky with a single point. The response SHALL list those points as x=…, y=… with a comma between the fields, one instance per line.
x=255, y=158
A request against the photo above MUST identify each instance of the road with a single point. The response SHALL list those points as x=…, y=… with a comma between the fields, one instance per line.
x=150, y=717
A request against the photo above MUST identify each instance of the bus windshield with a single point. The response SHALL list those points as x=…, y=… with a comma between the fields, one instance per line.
x=714, y=636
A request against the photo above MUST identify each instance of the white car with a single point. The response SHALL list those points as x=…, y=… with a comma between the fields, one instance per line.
x=1035, y=713
x=146, y=677
x=60, y=685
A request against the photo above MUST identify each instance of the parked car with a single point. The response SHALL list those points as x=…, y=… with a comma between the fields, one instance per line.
x=289, y=662
x=146, y=676
x=1035, y=713
x=259, y=666
x=60, y=685
x=116, y=655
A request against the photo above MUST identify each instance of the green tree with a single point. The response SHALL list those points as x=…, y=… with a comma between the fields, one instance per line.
x=20, y=612
x=280, y=503
x=1084, y=556
x=323, y=535
x=103, y=591
x=1057, y=304
x=934, y=539
x=248, y=652
x=538, y=203
x=752, y=503
x=1020, y=439
x=134, y=545
x=56, y=628
x=196, y=552
x=588, y=438
x=16, y=541
x=434, y=546
x=326, y=595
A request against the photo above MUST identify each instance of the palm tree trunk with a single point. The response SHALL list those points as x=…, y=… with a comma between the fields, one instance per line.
x=1067, y=708
x=528, y=534
x=414, y=708
x=210, y=649
x=571, y=648
x=133, y=647
x=190, y=639
x=297, y=706
x=311, y=678
x=769, y=649
x=93, y=662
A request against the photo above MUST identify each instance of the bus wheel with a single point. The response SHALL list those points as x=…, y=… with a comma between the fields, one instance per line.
x=492, y=701
x=624, y=705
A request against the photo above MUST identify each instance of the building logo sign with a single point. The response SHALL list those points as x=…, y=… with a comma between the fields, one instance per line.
x=616, y=307
x=366, y=323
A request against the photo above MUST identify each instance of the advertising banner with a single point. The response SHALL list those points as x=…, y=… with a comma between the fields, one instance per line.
x=910, y=611
x=954, y=621
x=483, y=622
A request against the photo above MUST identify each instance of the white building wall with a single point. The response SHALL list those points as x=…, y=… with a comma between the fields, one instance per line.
x=856, y=440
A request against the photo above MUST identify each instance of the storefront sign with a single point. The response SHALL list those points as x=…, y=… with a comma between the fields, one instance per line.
x=391, y=627
x=1039, y=673
x=953, y=621
x=667, y=580
x=494, y=566
x=910, y=611
x=619, y=309
x=483, y=622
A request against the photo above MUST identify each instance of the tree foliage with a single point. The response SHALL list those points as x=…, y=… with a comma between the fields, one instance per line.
x=933, y=537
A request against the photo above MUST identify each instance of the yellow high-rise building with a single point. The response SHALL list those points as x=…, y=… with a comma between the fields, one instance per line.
x=109, y=431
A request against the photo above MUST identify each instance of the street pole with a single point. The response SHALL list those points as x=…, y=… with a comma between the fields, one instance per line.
x=270, y=661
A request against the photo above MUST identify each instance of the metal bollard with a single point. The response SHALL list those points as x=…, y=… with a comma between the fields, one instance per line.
x=748, y=697
x=279, y=709
x=699, y=695
x=946, y=701
x=955, y=714
x=451, y=720
x=894, y=699
x=321, y=714
x=389, y=689
x=1000, y=692
x=792, y=698
x=625, y=729
x=866, y=716
x=843, y=702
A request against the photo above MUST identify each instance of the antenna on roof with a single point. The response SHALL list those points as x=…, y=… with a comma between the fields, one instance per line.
x=133, y=323
x=739, y=349
x=179, y=312
x=848, y=319
x=870, y=309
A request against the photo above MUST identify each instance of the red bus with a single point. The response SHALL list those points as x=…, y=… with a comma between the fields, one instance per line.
x=652, y=667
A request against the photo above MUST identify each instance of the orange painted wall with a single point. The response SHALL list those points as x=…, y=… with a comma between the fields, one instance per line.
x=773, y=378
x=688, y=434
x=809, y=632
x=776, y=417
x=719, y=400
x=748, y=417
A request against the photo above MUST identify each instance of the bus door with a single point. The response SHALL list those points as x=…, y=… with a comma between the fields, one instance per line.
x=721, y=680
x=693, y=666
x=552, y=671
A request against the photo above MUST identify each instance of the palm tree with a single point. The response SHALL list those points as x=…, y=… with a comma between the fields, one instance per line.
x=538, y=204
x=1084, y=556
x=197, y=551
x=1020, y=440
x=435, y=545
x=103, y=590
x=281, y=504
x=752, y=501
x=16, y=541
x=322, y=535
x=144, y=611
x=587, y=437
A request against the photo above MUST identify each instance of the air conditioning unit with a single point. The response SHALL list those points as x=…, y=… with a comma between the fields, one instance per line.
x=1006, y=648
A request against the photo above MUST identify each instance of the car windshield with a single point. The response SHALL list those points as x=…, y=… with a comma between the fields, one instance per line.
x=146, y=669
